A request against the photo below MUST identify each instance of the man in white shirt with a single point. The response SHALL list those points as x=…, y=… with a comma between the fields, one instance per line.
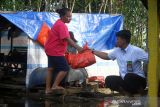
x=129, y=58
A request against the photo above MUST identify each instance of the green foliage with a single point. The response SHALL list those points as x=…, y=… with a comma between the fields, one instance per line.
x=136, y=20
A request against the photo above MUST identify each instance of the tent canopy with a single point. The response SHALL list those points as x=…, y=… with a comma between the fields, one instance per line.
x=96, y=29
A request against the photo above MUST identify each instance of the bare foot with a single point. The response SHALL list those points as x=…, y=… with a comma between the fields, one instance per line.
x=57, y=87
x=48, y=91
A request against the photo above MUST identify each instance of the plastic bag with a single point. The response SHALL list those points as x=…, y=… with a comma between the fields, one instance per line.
x=43, y=34
x=81, y=60
x=69, y=57
x=99, y=79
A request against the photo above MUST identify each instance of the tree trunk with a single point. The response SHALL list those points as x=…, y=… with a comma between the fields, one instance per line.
x=39, y=5
x=101, y=6
x=30, y=3
x=14, y=5
x=105, y=5
x=73, y=4
x=89, y=7
x=66, y=3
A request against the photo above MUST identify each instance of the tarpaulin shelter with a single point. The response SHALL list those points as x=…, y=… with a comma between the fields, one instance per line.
x=96, y=29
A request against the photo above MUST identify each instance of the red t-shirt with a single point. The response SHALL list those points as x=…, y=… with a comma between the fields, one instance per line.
x=55, y=44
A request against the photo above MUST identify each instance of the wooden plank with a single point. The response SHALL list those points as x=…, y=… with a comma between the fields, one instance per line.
x=90, y=87
x=73, y=90
x=153, y=43
x=12, y=86
x=105, y=91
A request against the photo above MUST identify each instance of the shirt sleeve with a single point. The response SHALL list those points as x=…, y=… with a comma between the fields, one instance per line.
x=112, y=54
x=142, y=55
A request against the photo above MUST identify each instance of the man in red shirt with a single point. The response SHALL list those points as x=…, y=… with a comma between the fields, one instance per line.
x=55, y=48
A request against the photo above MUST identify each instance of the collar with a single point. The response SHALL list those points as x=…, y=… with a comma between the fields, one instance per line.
x=127, y=48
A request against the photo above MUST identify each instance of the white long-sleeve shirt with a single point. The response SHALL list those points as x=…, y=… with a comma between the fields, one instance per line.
x=131, y=53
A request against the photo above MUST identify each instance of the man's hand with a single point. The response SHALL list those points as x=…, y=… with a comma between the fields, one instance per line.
x=100, y=54
x=80, y=49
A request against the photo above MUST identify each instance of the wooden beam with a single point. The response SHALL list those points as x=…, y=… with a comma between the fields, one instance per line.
x=153, y=44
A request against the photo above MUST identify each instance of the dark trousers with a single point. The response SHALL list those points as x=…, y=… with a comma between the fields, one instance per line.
x=131, y=83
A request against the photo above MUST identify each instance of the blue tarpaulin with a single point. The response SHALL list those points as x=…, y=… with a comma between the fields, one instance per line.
x=96, y=29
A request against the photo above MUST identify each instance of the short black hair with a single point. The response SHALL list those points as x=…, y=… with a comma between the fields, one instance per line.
x=124, y=34
x=62, y=12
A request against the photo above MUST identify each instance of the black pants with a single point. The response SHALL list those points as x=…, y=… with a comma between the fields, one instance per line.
x=131, y=83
